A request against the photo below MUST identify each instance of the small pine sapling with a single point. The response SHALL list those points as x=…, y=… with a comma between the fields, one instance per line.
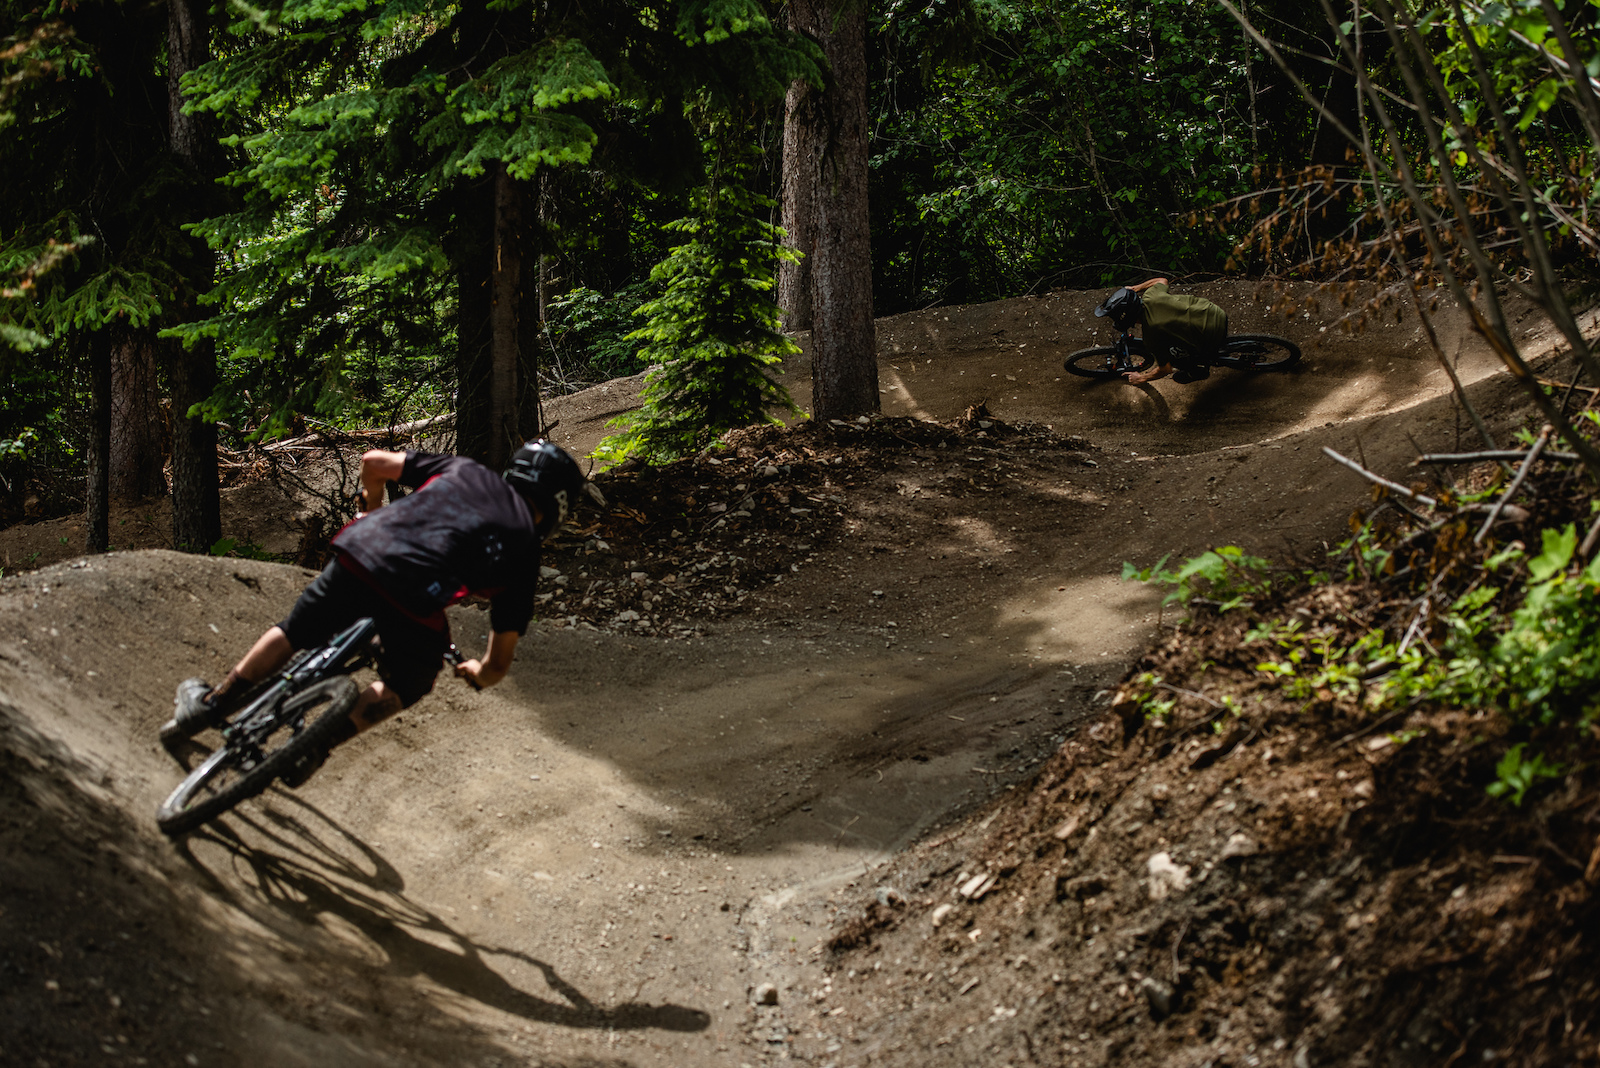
x=713, y=337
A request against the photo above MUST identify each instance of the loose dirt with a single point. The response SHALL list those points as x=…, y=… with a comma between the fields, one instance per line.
x=765, y=683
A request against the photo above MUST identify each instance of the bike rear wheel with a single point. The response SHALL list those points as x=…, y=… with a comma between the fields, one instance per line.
x=240, y=770
x=1258, y=352
x=1105, y=363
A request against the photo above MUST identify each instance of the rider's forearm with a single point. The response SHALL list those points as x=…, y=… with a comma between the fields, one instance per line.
x=1142, y=286
x=497, y=660
x=379, y=467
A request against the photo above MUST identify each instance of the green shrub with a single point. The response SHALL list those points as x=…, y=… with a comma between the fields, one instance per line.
x=592, y=335
x=713, y=335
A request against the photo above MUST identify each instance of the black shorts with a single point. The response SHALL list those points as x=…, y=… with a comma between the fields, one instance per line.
x=412, y=653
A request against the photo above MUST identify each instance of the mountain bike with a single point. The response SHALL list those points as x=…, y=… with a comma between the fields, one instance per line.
x=1242, y=352
x=281, y=731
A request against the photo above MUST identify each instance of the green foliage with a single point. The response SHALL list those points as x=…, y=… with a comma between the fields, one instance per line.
x=1227, y=577
x=1525, y=648
x=593, y=335
x=17, y=447
x=1155, y=706
x=1520, y=641
x=370, y=132
x=243, y=550
x=91, y=231
x=1306, y=665
x=1516, y=775
x=713, y=333
x=1020, y=142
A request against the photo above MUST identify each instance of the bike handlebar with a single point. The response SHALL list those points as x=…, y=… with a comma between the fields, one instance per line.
x=455, y=658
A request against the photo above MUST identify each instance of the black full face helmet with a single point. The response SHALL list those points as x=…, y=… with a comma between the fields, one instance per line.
x=549, y=479
x=1123, y=306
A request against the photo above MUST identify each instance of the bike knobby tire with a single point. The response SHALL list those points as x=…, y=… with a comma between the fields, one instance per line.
x=1258, y=352
x=235, y=773
x=1102, y=363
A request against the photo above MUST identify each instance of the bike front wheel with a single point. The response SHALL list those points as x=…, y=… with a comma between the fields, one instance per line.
x=1258, y=352
x=241, y=769
x=1105, y=363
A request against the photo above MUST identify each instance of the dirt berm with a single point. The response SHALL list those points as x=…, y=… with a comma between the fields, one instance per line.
x=759, y=678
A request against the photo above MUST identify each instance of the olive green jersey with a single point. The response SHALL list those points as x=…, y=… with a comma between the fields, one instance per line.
x=1194, y=324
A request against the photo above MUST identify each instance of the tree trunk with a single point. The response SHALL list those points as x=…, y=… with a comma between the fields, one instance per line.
x=530, y=341
x=505, y=306
x=549, y=281
x=497, y=404
x=192, y=374
x=139, y=431
x=196, y=504
x=474, y=369
x=844, y=360
x=98, y=519
x=802, y=137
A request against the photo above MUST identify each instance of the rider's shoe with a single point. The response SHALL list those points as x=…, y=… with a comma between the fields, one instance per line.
x=195, y=708
x=1191, y=374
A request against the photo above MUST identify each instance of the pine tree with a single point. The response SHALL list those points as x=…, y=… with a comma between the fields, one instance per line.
x=714, y=335
x=387, y=218
x=99, y=182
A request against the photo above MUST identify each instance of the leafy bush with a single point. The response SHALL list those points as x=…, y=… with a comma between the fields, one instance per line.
x=592, y=335
x=1225, y=577
x=1519, y=638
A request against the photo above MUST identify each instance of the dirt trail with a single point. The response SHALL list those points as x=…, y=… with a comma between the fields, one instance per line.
x=599, y=861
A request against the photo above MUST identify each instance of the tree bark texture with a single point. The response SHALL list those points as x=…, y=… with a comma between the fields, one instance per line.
x=530, y=412
x=139, y=431
x=844, y=360
x=505, y=306
x=800, y=144
x=98, y=518
x=192, y=372
x=474, y=365
x=497, y=401
x=547, y=285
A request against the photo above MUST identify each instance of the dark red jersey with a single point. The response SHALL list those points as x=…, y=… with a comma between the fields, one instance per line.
x=464, y=531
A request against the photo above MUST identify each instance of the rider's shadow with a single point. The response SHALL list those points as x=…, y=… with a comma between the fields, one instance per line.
x=303, y=877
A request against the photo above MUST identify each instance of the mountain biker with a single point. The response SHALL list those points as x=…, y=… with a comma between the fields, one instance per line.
x=1194, y=326
x=465, y=530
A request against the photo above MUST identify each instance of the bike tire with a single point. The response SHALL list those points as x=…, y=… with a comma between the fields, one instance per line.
x=1258, y=352
x=221, y=782
x=1101, y=363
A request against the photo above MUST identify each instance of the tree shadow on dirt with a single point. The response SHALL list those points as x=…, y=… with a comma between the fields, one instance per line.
x=294, y=868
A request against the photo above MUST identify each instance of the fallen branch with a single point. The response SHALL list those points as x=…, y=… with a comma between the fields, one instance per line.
x=1502, y=510
x=1395, y=487
x=1567, y=385
x=1489, y=454
x=1590, y=538
x=1189, y=693
x=1516, y=483
x=404, y=430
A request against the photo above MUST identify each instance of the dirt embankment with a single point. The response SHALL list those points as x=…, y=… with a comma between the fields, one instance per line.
x=757, y=679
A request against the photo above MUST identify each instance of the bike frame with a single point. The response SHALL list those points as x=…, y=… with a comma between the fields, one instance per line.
x=1128, y=343
x=348, y=652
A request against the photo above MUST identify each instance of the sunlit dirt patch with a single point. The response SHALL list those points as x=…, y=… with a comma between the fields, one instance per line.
x=689, y=541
